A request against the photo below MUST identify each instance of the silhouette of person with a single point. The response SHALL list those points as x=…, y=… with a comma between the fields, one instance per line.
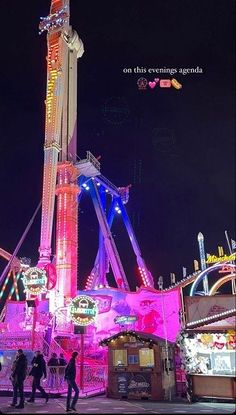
x=18, y=375
x=62, y=365
x=70, y=375
x=53, y=361
x=37, y=371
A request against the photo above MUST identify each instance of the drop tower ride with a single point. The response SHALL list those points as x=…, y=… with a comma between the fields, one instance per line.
x=64, y=47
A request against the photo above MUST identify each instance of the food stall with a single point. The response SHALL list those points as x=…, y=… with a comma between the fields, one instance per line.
x=207, y=348
x=140, y=366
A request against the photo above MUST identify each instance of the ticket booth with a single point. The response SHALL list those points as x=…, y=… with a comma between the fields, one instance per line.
x=140, y=366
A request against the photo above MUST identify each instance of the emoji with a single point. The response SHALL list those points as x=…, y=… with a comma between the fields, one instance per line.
x=165, y=83
x=176, y=84
x=152, y=84
x=142, y=83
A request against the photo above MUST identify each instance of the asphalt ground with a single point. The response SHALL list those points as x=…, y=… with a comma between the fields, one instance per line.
x=103, y=405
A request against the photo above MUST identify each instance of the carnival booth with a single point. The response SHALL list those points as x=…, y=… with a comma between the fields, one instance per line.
x=140, y=366
x=207, y=347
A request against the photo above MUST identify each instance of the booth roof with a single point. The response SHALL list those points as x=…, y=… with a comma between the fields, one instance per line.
x=141, y=336
x=211, y=319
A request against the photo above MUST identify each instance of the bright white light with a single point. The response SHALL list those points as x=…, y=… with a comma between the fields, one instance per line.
x=87, y=187
x=84, y=185
x=116, y=208
x=119, y=211
x=98, y=184
x=106, y=191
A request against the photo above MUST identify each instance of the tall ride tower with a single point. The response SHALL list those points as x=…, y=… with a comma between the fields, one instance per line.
x=60, y=148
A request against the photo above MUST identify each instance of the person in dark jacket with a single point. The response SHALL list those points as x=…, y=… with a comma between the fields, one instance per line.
x=62, y=367
x=52, y=363
x=70, y=375
x=38, y=370
x=18, y=375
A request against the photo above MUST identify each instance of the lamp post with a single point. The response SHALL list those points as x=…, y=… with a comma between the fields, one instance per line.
x=200, y=238
x=166, y=367
x=231, y=252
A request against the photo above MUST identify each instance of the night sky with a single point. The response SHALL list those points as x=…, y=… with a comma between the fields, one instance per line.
x=176, y=147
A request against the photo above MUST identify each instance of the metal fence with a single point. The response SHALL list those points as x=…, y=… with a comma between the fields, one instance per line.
x=94, y=379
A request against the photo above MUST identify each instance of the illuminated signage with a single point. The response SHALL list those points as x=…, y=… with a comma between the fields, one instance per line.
x=212, y=259
x=35, y=280
x=226, y=269
x=125, y=319
x=83, y=310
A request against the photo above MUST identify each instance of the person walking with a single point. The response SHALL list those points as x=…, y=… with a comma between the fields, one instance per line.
x=70, y=375
x=18, y=375
x=37, y=371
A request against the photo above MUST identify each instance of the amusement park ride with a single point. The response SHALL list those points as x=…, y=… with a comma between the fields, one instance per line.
x=52, y=283
x=65, y=179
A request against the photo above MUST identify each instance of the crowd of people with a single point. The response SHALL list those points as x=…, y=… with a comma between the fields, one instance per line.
x=57, y=366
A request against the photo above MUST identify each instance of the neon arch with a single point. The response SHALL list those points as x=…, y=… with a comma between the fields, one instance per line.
x=206, y=271
x=221, y=282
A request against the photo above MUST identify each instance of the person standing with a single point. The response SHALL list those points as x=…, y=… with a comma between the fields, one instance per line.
x=38, y=370
x=62, y=366
x=53, y=363
x=18, y=375
x=70, y=375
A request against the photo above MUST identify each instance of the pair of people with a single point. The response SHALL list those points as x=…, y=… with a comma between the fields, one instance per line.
x=19, y=373
x=56, y=376
x=39, y=369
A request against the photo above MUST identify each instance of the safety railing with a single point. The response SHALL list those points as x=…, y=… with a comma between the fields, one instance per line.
x=94, y=379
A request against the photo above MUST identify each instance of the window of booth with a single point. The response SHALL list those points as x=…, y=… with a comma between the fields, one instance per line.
x=119, y=357
x=146, y=357
x=133, y=359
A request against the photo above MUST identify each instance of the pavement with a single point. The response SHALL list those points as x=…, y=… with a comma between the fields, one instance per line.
x=103, y=405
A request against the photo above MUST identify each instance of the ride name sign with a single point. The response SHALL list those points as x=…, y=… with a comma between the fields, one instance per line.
x=35, y=280
x=83, y=310
x=125, y=319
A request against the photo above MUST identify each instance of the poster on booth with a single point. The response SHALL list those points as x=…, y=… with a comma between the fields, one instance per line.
x=134, y=385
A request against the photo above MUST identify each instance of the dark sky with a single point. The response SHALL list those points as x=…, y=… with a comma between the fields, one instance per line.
x=176, y=147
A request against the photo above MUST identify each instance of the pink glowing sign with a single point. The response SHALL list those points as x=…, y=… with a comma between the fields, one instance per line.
x=155, y=312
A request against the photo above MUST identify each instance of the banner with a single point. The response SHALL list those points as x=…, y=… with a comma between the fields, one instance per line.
x=198, y=307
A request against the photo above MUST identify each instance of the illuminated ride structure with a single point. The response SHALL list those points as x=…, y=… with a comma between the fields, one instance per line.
x=52, y=284
x=43, y=320
x=64, y=176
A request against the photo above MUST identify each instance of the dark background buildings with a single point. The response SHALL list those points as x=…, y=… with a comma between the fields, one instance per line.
x=176, y=148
